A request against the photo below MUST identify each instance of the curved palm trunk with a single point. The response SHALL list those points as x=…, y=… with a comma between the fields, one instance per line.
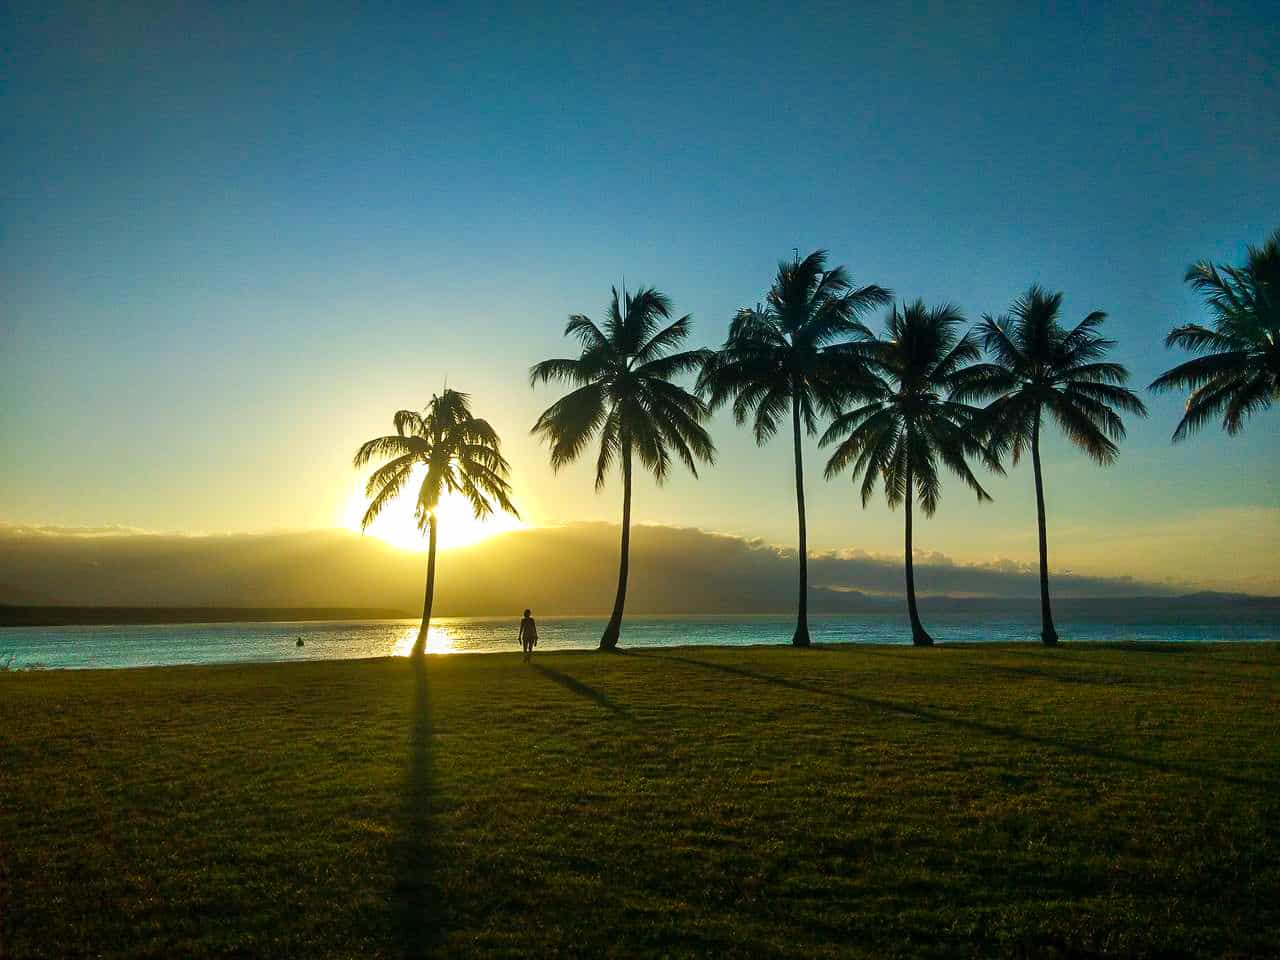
x=420, y=645
x=609, y=641
x=801, y=638
x=919, y=636
x=1047, y=633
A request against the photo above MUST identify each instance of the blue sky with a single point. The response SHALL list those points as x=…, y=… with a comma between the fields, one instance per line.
x=235, y=239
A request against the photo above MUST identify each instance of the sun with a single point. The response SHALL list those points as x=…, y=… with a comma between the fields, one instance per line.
x=397, y=525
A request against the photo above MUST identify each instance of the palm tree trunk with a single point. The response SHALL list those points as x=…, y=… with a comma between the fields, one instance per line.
x=609, y=641
x=801, y=638
x=420, y=645
x=1047, y=633
x=919, y=636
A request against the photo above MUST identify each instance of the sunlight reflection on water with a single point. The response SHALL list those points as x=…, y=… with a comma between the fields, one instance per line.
x=439, y=640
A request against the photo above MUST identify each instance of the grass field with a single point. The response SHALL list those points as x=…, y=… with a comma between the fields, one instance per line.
x=877, y=801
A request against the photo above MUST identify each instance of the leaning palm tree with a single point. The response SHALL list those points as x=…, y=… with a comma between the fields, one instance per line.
x=794, y=352
x=907, y=421
x=461, y=454
x=1239, y=372
x=1039, y=367
x=623, y=390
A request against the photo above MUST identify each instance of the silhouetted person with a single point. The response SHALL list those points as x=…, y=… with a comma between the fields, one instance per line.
x=528, y=635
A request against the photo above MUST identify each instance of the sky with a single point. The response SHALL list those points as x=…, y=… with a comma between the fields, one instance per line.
x=234, y=241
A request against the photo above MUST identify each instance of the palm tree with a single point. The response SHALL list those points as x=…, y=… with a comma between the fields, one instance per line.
x=907, y=420
x=1239, y=372
x=1038, y=366
x=793, y=352
x=461, y=454
x=623, y=390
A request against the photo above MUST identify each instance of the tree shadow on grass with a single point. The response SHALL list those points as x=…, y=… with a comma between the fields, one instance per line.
x=581, y=689
x=1169, y=670
x=1058, y=676
x=991, y=729
x=417, y=923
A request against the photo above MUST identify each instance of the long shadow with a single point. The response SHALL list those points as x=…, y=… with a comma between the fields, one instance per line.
x=1086, y=679
x=581, y=689
x=413, y=856
x=1008, y=733
x=1171, y=671
x=1174, y=670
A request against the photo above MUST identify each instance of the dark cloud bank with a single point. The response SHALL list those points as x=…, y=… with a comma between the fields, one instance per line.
x=568, y=569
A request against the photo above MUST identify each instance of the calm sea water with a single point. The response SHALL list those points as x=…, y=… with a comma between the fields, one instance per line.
x=136, y=646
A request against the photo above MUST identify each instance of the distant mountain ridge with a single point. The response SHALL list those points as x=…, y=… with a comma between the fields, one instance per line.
x=568, y=569
x=59, y=615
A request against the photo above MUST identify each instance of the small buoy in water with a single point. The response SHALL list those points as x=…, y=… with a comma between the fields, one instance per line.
x=300, y=643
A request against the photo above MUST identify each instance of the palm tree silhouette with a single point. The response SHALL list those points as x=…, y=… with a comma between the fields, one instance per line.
x=1037, y=365
x=794, y=352
x=907, y=420
x=623, y=390
x=461, y=454
x=1239, y=372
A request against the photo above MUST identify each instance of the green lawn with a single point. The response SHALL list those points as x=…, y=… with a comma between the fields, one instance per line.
x=878, y=801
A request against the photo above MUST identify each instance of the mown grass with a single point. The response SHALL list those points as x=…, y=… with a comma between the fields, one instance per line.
x=877, y=801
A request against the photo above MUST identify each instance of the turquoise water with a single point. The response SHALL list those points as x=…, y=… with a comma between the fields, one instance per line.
x=155, y=645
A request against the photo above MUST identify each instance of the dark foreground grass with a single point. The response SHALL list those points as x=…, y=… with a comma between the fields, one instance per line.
x=1119, y=801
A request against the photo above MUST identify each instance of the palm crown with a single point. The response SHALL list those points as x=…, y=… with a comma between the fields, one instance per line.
x=624, y=390
x=907, y=419
x=1037, y=364
x=461, y=454
x=1239, y=372
x=794, y=348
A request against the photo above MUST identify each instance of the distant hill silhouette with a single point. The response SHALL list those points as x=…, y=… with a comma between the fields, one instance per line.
x=12, y=615
x=556, y=570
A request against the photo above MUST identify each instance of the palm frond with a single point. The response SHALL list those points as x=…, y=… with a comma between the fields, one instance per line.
x=389, y=446
x=667, y=338
x=563, y=369
x=391, y=487
x=673, y=365
x=408, y=423
x=388, y=472
x=1238, y=373
x=1081, y=430
x=569, y=423
x=1252, y=397
x=583, y=329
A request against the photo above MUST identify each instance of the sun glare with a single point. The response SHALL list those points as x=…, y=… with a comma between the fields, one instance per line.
x=438, y=641
x=397, y=525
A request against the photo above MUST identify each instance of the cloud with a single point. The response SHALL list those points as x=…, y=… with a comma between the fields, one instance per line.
x=561, y=569
x=937, y=573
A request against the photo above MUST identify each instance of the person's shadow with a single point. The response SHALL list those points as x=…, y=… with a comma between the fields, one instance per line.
x=575, y=685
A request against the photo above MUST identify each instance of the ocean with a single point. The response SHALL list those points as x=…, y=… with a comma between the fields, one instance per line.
x=96, y=647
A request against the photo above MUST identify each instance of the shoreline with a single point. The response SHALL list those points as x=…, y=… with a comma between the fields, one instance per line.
x=993, y=646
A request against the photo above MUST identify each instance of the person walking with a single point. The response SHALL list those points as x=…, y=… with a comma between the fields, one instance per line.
x=528, y=635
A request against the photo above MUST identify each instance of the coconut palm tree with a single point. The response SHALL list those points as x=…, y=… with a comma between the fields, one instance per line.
x=461, y=454
x=1037, y=367
x=793, y=352
x=907, y=421
x=1239, y=372
x=623, y=390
